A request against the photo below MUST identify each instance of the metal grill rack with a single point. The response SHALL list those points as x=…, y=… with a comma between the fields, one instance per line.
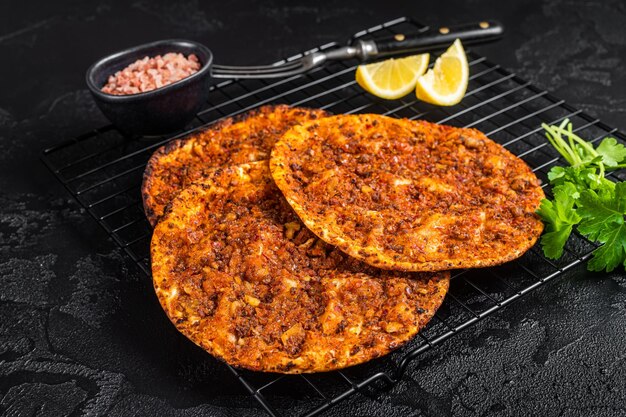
x=102, y=169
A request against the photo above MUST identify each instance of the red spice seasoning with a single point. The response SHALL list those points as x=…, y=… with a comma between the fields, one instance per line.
x=151, y=73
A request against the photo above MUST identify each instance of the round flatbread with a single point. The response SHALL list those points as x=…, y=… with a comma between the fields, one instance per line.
x=409, y=195
x=239, y=274
x=235, y=140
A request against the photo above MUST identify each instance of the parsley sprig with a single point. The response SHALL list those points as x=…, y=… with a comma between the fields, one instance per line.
x=584, y=199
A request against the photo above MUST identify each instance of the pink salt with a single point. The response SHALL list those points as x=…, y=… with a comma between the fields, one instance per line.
x=151, y=73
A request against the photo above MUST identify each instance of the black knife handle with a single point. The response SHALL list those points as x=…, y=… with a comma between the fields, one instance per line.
x=441, y=37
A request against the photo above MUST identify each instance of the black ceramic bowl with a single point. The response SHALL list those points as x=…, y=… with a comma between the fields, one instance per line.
x=159, y=111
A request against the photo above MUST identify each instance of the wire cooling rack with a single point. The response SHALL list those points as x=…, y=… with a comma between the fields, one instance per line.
x=103, y=168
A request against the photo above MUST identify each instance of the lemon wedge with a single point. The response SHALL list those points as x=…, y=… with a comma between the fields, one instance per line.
x=392, y=78
x=445, y=84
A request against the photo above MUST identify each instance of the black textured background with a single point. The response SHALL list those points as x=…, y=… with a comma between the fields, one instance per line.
x=81, y=332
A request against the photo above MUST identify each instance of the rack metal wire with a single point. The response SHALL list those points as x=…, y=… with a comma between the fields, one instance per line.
x=102, y=169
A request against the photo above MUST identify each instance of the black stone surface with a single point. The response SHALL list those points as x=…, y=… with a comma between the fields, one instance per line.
x=81, y=332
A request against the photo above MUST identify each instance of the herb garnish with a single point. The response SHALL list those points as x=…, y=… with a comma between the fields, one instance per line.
x=585, y=199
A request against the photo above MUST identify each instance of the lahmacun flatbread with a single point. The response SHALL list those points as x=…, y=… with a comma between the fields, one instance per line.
x=244, y=138
x=408, y=195
x=239, y=274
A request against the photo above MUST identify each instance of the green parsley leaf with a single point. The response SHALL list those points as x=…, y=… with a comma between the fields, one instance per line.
x=581, y=177
x=612, y=252
x=602, y=221
x=560, y=217
x=602, y=210
x=612, y=152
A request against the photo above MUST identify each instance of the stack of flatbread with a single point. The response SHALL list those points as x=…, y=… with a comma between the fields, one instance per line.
x=289, y=240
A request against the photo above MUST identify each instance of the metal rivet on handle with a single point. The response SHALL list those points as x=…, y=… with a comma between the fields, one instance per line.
x=484, y=25
x=444, y=30
x=399, y=37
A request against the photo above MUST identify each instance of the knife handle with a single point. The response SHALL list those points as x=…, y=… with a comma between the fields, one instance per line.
x=436, y=38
